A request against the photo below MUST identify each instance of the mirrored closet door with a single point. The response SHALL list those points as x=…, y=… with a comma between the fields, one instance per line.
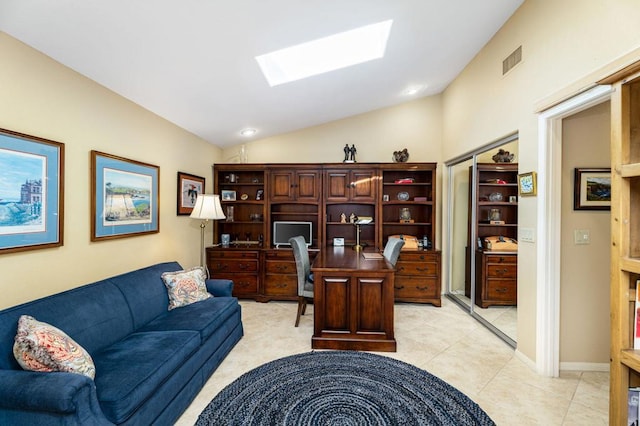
x=481, y=235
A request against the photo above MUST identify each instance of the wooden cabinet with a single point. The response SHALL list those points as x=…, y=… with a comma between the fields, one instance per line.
x=495, y=210
x=497, y=274
x=350, y=191
x=295, y=185
x=417, y=277
x=240, y=266
x=254, y=196
x=625, y=236
x=347, y=185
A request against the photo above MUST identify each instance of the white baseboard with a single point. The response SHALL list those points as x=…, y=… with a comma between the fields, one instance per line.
x=584, y=366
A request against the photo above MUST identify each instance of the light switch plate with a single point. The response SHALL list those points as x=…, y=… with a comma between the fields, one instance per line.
x=526, y=234
x=581, y=236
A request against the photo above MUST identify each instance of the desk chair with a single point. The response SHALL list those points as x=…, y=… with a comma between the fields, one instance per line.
x=305, y=280
x=392, y=250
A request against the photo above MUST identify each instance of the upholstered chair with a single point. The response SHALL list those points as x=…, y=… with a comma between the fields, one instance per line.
x=392, y=250
x=305, y=279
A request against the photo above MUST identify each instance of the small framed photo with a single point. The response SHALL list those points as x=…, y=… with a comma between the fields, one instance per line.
x=227, y=195
x=527, y=184
x=385, y=197
x=124, y=197
x=189, y=186
x=592, y=189
x=259, y=194
x=31, y=192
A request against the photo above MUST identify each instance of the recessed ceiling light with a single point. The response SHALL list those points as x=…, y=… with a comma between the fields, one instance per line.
x=248, y=132
x=413, y=90
x=325, y=54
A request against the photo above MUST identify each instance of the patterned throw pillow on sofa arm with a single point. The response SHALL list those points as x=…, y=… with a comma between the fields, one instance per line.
x=186, y=287
x=40, y=346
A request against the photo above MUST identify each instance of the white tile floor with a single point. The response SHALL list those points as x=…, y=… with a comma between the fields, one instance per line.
x=444, y=341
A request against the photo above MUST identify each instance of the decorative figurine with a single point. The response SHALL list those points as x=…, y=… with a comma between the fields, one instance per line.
x=352, y=153
x=502, y=156
x=401, y=156
x=343, y=218
x=346, y=153
x=353, y=218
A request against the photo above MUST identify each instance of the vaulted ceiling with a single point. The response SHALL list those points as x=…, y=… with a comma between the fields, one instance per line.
x=193, y=61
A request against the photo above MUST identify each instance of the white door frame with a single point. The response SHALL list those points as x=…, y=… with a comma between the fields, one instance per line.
x=549, y=219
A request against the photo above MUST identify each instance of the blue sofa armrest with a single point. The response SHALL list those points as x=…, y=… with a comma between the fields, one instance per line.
x=28, y=397
x=219, y=287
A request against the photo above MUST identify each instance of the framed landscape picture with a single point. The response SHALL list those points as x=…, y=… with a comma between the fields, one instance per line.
x=189, y=186
x=31, y=192
x=124, y=197
x=592, y=189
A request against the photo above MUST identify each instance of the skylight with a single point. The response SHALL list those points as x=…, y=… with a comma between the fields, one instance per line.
x=325, y=54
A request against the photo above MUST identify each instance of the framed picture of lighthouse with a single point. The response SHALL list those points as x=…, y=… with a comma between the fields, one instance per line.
x=31, y=192
x=124, y=197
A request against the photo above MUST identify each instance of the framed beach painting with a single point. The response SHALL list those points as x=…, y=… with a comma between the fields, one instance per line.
x=189, y=186
x=592, y=189
x=125, y=197
x=31, y=192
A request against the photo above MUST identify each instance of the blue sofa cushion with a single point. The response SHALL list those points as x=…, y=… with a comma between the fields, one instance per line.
x=130, y=371
x=79, y=312
x=145, y=292
x=196, y=316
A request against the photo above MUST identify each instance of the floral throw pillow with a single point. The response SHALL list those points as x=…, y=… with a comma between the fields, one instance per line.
x=39, y=346
x=185, y=287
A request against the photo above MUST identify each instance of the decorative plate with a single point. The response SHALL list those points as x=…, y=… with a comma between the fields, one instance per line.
x=403, y=196
x=244, y=197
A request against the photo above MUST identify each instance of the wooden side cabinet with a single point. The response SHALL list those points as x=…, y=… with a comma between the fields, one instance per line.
x=417, y=277
x=496, y=278
x=238, y=265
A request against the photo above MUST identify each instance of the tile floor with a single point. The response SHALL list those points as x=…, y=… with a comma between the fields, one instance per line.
x=444, y=341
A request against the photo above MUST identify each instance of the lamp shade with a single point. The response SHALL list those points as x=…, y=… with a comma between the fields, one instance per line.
x=207, y=207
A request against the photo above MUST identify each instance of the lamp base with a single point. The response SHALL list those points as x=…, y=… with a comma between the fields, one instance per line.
x=357, y=247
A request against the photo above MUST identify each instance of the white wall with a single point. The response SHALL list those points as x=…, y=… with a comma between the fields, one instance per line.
x=42, y=98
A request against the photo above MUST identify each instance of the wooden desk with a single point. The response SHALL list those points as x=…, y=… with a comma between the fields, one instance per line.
x=352, y=302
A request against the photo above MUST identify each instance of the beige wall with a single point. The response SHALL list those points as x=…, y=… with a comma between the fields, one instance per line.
x=40, y=97
x=415, y=125
x=584, y=288
x=561, y=43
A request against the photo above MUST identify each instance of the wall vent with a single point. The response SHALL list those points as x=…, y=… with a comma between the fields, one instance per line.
x=512, y=60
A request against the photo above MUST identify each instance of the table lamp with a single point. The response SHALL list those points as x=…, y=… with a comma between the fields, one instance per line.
x=207, y=207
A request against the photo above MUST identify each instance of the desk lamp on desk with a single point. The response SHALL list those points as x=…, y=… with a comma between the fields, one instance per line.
x=364, y=220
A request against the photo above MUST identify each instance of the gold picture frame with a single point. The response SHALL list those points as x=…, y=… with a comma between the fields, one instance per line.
x=527, y=184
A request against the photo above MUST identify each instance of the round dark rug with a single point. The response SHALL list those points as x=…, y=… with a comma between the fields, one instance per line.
x=340, y=388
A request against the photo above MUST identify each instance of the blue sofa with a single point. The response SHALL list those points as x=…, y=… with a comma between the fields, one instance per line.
x=150, y=362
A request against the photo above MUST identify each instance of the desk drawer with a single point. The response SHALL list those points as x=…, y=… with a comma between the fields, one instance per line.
x=232, y=254
x=280, y=267
x=417, y=268
x=502, y=259
x=502, y=290
x=498, y=270
x=281, y=285
x=233, y=265
x=242, y=284
x=416, y=287
x=418, y=256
